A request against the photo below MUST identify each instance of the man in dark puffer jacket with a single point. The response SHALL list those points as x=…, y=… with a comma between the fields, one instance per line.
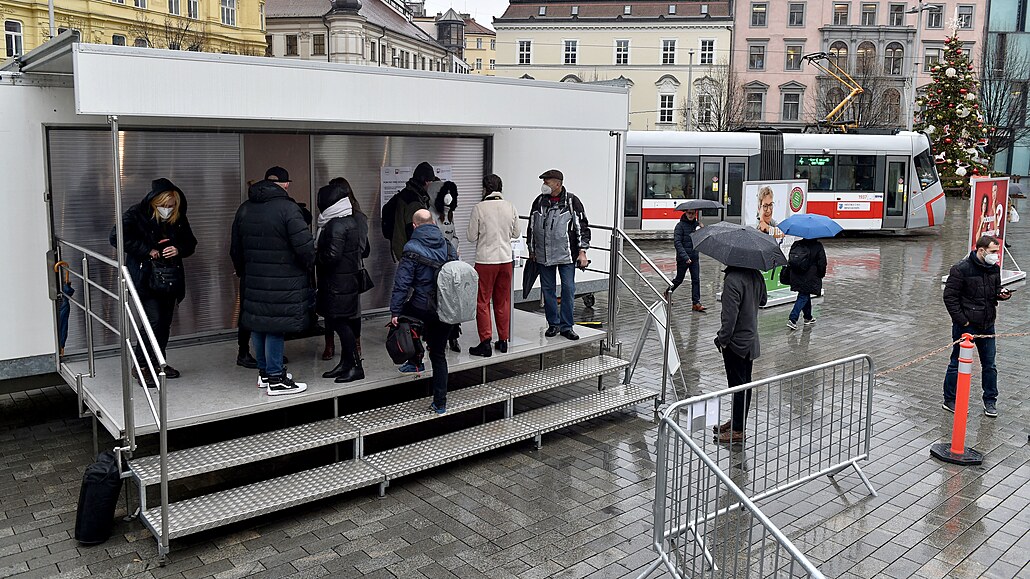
x=971, y=295
x=272, y=251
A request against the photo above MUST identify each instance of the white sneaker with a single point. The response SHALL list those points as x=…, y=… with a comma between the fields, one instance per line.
x=282, y=386
x=262, y=381
x=810, y=322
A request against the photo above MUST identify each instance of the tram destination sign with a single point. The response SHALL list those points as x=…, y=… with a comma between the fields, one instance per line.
x=815, y=161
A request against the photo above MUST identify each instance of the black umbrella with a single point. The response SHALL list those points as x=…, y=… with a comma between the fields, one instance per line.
x=739, y=245
x=530, y=272
x=699, y=204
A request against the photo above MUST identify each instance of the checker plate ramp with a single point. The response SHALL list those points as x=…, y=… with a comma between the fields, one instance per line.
x=405, y=460
x=241, y=503
x=248, y=449
x=562, y=414
x=416, y=411
x=569, y=373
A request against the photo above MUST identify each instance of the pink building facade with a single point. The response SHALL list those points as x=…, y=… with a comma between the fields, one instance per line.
x=874, y=41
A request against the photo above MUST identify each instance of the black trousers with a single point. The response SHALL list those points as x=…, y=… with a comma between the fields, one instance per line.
x=159, y=311
x=436, y=335
x=738, y=371
x=349, y=329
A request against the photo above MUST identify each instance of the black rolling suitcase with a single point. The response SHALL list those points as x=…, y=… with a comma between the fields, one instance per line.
x=101, y=484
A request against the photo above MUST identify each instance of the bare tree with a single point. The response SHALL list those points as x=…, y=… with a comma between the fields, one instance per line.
x=718, y=101
x=1003, y=96
x=175, y=34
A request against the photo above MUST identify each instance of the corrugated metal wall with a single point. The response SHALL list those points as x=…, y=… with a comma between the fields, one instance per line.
x=206, y=166
x=358, y=158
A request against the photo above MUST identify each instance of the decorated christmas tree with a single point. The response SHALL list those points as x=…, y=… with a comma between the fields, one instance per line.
x=949, y=113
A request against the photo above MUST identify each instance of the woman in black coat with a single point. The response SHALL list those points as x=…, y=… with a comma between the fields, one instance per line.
x=807, y=264
x=158, y=237
x=340, y=246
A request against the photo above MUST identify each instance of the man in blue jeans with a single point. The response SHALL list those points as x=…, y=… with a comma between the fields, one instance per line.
x=558, y=238
x=971, y=295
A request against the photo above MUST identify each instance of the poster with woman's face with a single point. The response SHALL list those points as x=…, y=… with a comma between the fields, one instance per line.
x=988, y=206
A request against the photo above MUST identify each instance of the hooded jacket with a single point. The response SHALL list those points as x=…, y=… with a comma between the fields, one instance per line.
x=971, y=292
x=272, y=251
x=412, y=198
x=682, y=240
x=417, y=278
x=340, y=249
x=559, y=230
x=492, y=225
x=144, y=233
x=807, y=265
x=443, y=213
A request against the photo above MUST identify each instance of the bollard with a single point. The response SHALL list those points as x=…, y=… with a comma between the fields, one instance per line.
x=956, y=452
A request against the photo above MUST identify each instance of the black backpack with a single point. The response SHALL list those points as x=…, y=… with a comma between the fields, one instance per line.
x=389, y=216
x=403, y=340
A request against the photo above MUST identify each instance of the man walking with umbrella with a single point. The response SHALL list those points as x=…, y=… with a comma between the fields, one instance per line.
x=806, y=266
x=687, y=257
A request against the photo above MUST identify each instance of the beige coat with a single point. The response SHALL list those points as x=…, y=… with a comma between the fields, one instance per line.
x=492, y=225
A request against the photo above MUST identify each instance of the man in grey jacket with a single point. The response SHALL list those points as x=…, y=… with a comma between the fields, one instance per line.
x=743, y=292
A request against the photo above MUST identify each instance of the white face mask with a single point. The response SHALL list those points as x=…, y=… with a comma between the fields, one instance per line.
x=165, y=212
x=545, y=190
x=447, y=199
x=991, y=258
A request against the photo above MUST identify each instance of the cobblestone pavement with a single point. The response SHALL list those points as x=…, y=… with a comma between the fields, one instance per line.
x=580, y=506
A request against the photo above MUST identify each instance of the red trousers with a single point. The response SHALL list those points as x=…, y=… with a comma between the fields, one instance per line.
x=495, y=282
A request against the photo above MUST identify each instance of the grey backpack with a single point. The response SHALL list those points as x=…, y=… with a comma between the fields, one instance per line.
x=457, y=287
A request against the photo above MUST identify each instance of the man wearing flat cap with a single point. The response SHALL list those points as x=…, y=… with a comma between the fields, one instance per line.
x=558, y=238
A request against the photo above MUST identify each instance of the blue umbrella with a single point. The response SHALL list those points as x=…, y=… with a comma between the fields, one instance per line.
x=810, y=226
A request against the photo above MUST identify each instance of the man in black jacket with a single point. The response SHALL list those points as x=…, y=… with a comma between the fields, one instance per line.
x=272, y=251
x=687, y=257
x=806, y=268
x=971, y=295
x=743, y=292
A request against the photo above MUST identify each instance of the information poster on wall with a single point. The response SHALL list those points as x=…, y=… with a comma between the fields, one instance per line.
x=766, y=203
x=988, y=210
x=393, y=179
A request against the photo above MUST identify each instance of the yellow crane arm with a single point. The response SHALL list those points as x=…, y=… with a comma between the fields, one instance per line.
x=841, y=76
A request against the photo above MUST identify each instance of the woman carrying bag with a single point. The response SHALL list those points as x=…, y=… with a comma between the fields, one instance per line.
x=157, y=238
x=341, y=244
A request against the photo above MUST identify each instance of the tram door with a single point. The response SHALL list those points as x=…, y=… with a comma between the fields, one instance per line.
x=632, y=206
x=736, y=174
x=712, y=186
x=895, y=194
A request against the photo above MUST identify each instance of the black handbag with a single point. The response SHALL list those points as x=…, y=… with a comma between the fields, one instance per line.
x=785, y=275
x=165, y=278
x=403, y=340
x=364, y=281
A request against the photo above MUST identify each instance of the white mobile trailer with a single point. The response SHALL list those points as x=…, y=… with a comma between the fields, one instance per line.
x=212, y=122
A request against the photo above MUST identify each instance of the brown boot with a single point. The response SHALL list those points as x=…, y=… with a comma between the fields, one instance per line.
x=330, y=349
x=698, y=308
x=730, y=437
x=722, y=427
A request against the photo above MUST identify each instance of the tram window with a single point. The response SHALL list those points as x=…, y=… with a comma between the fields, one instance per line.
x=856, y=173
x=818, y=170
x=670, y=180
x=925, y=170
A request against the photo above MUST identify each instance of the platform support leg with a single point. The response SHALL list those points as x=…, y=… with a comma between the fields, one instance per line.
x=541, y=361
x=382, y=488
x=96, y=439
x=538, y=441
x=483, y=376
x=600, y=383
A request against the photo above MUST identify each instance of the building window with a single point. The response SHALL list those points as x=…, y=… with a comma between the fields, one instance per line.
x=542, y=11
x=796, y=16
x=794, y=54
x=13, y=39
x=372, y=52
x=868, y=14
x=965, y=17
x=892, y=105
x=118, y=1
x=866, y=57
x=931, y=58
x=228, y=12
x=575, y=10
x=571, y=46
x=935, y=16
x=493, y=64
x=493, y=44
x=291, y=45
x=753, y=104
x=627, y=10
x=173, y=7
x=668, y=52
x=893, y=59
x=707, y=52
x=791, y=106
x=139, y=3
x=621, y=52
x=897, y=15
x=268, y=46
x=705, y=109
x=839, y=55
x=118, y=40
x=140, y=43
x=840, y=14
x=665, y=107
x=525, y=52
x=318, y=44
x=193, y=9
x=756, y=57
x=479, y=64
x=479, y=44
x=758, y=13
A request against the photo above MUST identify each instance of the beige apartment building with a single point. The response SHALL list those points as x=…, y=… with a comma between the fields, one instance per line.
x=658, y=49
x=480, y=48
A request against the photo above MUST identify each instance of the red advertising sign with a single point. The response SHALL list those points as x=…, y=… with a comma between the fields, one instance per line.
x=988, y=209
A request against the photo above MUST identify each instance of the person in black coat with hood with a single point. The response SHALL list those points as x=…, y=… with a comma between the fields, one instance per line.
x=807, y=264
x=687, y=258
x=157, y=233
x=341, y=244
x=272, y=251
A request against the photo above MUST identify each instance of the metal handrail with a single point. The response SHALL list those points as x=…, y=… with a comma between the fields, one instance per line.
x=99, y=257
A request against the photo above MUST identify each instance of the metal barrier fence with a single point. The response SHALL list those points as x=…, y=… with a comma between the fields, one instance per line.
x=798, y=427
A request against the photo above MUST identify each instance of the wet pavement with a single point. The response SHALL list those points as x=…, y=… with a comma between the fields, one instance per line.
x=581, y=506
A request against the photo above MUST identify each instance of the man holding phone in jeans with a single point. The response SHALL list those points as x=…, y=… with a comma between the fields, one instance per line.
x=971, y=295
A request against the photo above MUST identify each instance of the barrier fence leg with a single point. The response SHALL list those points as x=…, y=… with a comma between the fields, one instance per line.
x=956, y=452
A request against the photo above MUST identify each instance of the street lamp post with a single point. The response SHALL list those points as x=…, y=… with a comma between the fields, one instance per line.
x=690, y=88
x=916, y=62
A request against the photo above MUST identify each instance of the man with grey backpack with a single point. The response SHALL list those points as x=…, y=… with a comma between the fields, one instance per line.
x=429, y=263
